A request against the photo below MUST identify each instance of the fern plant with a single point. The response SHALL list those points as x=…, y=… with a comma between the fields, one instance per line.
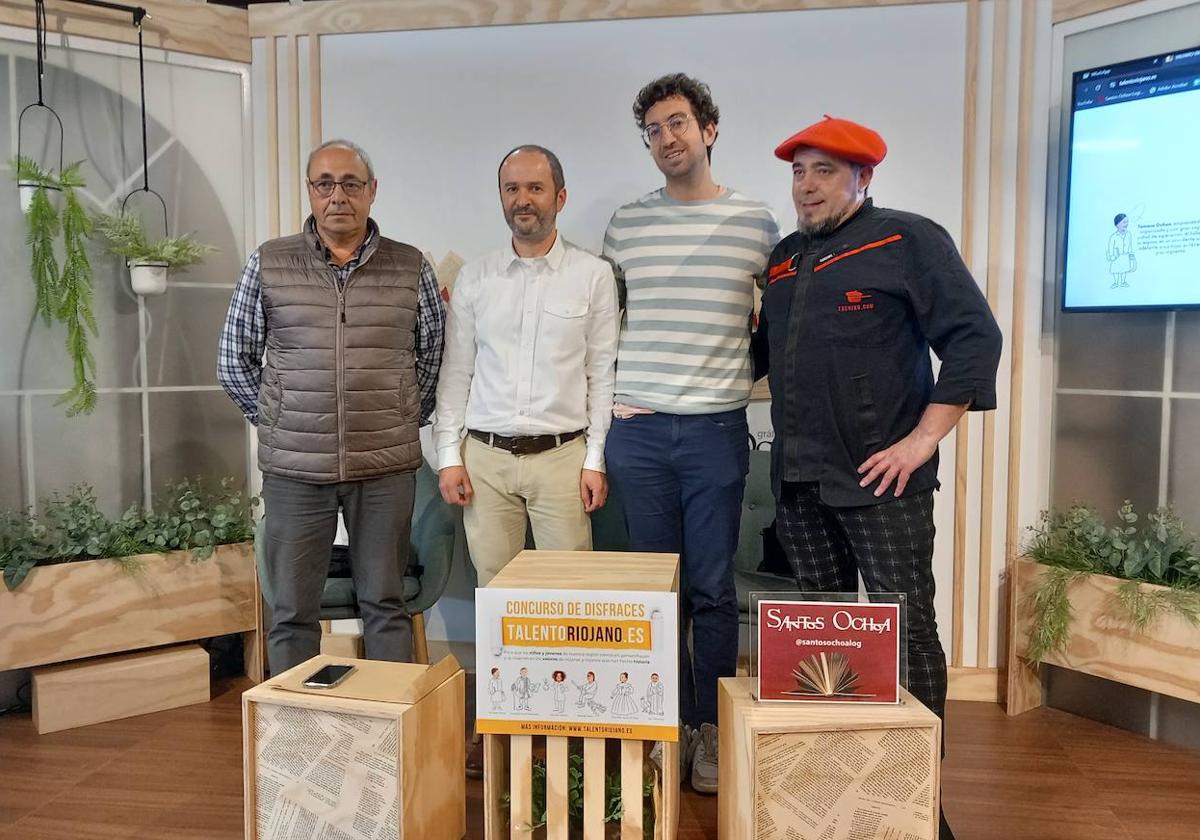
x=127, y=238
x=42, y=228
x=63, y=294
x=75, y=301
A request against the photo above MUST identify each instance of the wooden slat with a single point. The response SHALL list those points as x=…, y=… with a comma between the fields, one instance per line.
x=995, y=265
x=293, y=177
x=494, y=783
x=520, y=785
x=978, y=684
x=433, y=787
x=188, y=26
x=556, y=788
x=1071, y=9
x=96, y=607
x=962, y=437
x=338, y=16
x=593, y=788
x=249, y=771
x=670, y=790
x=1021, y=683
x=272, y=84
x=631, y=790
x=314, y=91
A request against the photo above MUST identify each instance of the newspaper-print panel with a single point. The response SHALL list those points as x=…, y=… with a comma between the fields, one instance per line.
x=325, y=775
x=873, y=784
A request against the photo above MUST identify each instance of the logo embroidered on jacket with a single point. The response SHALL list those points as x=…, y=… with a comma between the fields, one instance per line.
x=854, y=302
x=783, y=270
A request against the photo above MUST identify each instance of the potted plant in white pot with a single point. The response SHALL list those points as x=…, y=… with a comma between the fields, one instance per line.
x=32, y=180
x=149, y=262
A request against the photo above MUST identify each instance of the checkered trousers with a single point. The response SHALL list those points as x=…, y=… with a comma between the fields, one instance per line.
x=891, y=546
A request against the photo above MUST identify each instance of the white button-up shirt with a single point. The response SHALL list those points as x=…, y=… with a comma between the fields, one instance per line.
x=531, y=345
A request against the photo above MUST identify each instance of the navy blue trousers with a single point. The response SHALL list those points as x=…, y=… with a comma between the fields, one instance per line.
x=680, y=479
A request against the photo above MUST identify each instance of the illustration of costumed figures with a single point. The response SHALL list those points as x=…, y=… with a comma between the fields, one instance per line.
x=623, y=704
x=559, y=688
x=523, y=688
x=587, y=694
x=496, y=690
x=652, y=703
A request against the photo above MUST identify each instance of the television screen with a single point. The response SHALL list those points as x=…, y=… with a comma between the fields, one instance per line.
x=1133, y=194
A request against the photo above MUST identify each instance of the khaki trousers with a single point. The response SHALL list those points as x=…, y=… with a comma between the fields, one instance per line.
x=512, y=491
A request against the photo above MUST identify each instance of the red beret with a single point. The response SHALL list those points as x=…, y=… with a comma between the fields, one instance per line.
x=840, y=138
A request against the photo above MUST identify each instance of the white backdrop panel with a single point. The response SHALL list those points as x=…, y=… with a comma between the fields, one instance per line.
x=438, y=108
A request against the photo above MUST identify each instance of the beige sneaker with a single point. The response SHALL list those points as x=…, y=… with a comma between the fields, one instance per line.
x=704, y=763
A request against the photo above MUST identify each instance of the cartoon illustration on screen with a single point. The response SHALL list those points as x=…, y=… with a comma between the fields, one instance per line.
x=1121, y=259
x=523, y=688
x=559, y=690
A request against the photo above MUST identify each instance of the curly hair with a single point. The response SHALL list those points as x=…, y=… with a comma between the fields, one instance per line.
x=678, y=84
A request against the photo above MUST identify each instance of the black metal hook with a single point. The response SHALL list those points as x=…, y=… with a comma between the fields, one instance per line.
x=161, y=201
x=39, y=14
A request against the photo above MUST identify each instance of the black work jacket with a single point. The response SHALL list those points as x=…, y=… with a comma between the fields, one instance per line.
x=844, y=334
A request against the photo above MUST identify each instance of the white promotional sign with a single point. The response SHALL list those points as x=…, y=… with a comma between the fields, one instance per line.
x=592, y=664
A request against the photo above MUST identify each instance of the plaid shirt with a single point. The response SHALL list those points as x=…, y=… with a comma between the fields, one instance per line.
x=244, y=337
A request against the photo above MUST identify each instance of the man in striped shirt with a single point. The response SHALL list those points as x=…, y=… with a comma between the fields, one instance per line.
x=687, y=256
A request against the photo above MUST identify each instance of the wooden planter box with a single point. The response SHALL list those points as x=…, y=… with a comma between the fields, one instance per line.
x=379, y=755
x=95, y=607
x=826, y=771
x=1105, y=644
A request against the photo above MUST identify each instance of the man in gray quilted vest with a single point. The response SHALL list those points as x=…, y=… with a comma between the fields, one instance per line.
x=331, y=348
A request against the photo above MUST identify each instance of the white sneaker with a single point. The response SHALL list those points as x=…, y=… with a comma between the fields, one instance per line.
x=704, y=763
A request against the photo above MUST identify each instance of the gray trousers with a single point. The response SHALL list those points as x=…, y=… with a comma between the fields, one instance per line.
x=301, y=523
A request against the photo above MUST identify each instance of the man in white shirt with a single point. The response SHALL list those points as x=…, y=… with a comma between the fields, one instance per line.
x=531, y=340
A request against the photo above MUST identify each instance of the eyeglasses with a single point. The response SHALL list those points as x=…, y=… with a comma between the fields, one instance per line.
x=677, y=125
x=352, y=187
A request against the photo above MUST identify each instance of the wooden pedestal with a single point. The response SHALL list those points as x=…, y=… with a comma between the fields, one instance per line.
x=379, y=755
x=826, y=771
x=115, y=687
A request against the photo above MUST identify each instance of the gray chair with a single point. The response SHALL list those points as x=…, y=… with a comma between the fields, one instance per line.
x=430, y=560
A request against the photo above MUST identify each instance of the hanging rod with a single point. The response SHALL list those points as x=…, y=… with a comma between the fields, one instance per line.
x=138, y=13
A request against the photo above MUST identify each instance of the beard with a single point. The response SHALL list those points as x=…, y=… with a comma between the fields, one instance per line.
x=535, y=227
x=822, y=228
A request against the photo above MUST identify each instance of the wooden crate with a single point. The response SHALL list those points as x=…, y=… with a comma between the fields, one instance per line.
x=96, y=607
x=114, y=687
x=344, y=645
x=508, y=759
x=1104, y=643
x=383, y=750
x=826, y=770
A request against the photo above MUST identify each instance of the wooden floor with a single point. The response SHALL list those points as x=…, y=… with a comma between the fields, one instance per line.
x=177, y=775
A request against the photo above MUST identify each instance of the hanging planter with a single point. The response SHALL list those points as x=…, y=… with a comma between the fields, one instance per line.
x=148, y=278
x=149, y=262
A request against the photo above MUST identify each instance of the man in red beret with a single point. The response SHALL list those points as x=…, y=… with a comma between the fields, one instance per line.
x=854, y=301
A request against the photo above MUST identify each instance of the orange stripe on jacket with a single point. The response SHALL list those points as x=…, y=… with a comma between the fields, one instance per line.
x=895, y=237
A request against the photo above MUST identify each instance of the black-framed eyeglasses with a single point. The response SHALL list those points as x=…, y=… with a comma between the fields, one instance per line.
x=351, y=187
x=677, y=125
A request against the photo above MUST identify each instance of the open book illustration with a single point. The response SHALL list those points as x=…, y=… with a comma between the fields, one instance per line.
x=825, y=675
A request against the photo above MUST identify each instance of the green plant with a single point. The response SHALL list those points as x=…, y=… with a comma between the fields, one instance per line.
x=70, y=527
x=127, y=238
x=43, y=227
x=63, y=294
x=613, y=809
x=1079, y=542
x=75, y=301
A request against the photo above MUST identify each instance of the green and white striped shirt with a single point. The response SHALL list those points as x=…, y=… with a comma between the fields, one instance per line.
x=689, y=269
